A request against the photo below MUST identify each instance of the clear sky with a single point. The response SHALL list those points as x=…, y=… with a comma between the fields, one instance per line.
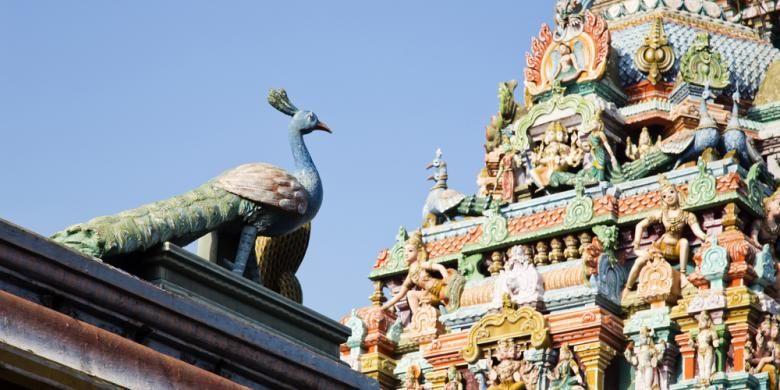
x=107, y=105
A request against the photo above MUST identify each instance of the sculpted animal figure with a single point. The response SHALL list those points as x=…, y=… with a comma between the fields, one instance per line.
x=256, y=199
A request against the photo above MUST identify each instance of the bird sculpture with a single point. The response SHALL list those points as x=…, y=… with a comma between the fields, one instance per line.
x=441, y=200
x=256, y=199
x=685, y=145
x=735, y=141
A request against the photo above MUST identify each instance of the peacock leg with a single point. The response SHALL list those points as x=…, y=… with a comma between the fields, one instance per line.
x=245, y=245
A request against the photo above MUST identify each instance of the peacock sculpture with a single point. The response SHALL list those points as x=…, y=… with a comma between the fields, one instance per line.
x=255, y=199
x=444, y=204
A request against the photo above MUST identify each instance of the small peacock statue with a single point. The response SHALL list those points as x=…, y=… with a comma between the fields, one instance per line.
x=256, y=199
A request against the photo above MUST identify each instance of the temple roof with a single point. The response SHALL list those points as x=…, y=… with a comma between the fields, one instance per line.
x=748, y=59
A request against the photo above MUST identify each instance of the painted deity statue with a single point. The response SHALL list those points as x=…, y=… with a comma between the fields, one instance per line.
x=421, y=287
x=507, y=171
x=597, y=161
x=672, y=244
x=554, y=155
x=645, y=143
x=454, y=379
x=519, y=280
x=767, y=229
x=412, y=381
x=508, y=373
x=567, y=68
x=645, y=358
x=566, y=374
x=705, y=343
x=764, y=354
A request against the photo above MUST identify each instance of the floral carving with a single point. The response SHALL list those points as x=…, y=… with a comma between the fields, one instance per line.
x=702, y=65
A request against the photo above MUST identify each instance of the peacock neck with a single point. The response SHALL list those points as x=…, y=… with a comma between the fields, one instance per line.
x=305, y=171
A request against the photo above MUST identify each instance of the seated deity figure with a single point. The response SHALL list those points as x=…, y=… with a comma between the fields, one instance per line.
x=566, y=374
x=672, y=244
x=519, y=280
x=705, y=344
x=421, y=288
x=567, y=68
x=646, y=358
x=508, y=373
x=554, y=155
x=635, y=152
x=597, y=160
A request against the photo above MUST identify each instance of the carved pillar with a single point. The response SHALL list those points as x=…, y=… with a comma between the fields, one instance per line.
x=688, y=354
x=740, y=334
x=669, y=365
x=595, y=357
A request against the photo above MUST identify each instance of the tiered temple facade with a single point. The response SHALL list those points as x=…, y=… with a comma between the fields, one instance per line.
x=623, y=233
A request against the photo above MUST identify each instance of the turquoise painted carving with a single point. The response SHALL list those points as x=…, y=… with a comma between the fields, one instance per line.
x=713, y=265
x=580, y=210
x=608, y=236
x=257, y=199
x=702, y=65
x=703, y=188
x=358, y=330
x=494, y=230
x=765, y=268
x=394, y=332
x=611, y=276
x=468, y=266
x=755, y=195
x=396, y=261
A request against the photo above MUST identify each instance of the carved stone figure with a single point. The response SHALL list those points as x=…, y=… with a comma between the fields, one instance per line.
x=598, y=161
x=554, y=155
x=421, y=288
x=508, y=373
x=412, y=381
x=508, y=112
x=566, y=374
x=254, y=199
x=767, y=229
x=672, y=243
x=519, y=279
x=635, y=152
x=454, y=379
x=764, y=355
x=567, y=69
x=645, y=358
x=506, y=174
x=705, y=343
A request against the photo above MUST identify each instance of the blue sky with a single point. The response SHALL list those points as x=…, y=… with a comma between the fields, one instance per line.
x=107, y=105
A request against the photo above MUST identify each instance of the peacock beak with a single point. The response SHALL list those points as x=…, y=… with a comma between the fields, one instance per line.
x=430, y=178
x=322, y=126
x=429, y=166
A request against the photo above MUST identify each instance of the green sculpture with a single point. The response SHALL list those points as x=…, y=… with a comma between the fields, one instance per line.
x=702, y=65
x=256, y=199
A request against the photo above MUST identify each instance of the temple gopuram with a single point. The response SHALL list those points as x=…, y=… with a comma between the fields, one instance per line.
x=623, y=232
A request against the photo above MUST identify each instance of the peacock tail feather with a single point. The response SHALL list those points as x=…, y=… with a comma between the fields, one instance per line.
x=654, y=160
x=278, y=258
x=180, y=219
x=473, y=205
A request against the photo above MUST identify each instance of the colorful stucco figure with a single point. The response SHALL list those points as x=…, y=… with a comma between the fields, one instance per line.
x=628, y=218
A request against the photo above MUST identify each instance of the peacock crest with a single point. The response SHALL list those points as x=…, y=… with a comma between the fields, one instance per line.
x=278, y=99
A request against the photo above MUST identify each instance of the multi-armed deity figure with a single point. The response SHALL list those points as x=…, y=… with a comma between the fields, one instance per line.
x=705, y=343
x=519, y=280
x=566, y=374
x=511, y=373
x=421, y=288
x=671, y=244
x=554, y=155
x=646, y=358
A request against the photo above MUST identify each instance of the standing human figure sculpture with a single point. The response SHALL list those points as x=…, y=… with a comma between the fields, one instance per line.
x=421, y=287
x=672, y=244
x=705, y=343
x=766, y=230
x=566, y=374
x=645, y=358
x=454, y=379
x=645, y=143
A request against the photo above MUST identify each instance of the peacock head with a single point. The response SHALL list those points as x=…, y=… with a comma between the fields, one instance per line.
x=303, y=121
